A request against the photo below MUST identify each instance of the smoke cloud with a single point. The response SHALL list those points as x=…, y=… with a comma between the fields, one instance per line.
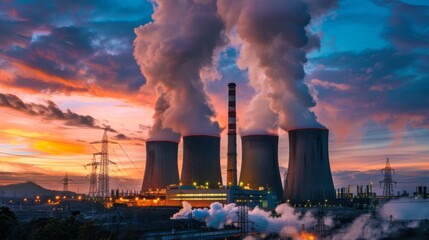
x=274, y=43
x=379, y=226
x=171, y=52
x=217, y=216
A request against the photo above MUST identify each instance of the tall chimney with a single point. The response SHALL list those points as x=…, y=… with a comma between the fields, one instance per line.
x=232, y=138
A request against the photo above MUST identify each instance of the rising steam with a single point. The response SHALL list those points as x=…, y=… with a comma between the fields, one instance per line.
x=171, y=52
x=158, y=132
x=274, y=39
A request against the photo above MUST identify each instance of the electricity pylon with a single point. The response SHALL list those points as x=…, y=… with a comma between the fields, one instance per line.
x=103, y=176
x=388, y=180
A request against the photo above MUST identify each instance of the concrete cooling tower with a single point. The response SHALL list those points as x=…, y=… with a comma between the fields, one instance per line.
x=260, y=166
x=201, y=161
x=309, y=173
x=161, y=165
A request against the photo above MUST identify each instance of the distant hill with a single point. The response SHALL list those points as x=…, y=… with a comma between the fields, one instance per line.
x=28, y=189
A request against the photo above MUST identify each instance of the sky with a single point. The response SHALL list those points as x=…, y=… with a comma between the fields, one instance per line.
x=67, y=69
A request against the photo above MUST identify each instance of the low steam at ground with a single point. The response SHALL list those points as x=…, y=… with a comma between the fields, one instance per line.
x=287, y=222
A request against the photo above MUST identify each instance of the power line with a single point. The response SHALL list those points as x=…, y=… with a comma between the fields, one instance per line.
x=130, y=159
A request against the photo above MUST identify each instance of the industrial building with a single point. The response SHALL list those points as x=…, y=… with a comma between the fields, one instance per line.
x=309, y=175
x=201, y=161
x=203, y=197
x=161, y=165
x=259, y=166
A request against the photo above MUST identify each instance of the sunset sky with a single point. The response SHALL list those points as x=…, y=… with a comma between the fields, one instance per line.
x=67, y=69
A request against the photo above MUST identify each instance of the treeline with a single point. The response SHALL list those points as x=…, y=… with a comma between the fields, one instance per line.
x=54, y=228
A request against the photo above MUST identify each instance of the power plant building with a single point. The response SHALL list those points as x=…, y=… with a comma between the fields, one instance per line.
x=309, y=175
x=201, y=161
x=203, y=197
x=260, y=167
x=161, y=165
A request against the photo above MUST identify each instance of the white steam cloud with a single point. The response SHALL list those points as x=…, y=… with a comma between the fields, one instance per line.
x=217, y=216
x=274, y=42
x=178, y=52
x=171, y=52
x=289, y=223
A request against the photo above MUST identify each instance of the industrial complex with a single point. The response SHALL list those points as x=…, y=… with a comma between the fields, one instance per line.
x=150, y=213
x=259, y=184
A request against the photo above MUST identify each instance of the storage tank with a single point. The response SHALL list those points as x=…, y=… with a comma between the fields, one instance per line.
x=201, y=161
x=309, y=173
x=260, y=166
x=161, y=165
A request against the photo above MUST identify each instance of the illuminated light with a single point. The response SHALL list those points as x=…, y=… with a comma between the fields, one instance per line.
x=57, y=197
x=137, y=198
x=49, y=200
x=79, y=197
x=37, y=197
x=25, y=199
x=195, y=183
x=180, y=184
x=121, y=198
x=64, y=197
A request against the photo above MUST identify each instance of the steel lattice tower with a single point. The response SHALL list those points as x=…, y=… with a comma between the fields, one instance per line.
x=103, y=176
x=388, y=180
x=320, y=228
x=65, y=182
x=243, y=220
x=93, y=177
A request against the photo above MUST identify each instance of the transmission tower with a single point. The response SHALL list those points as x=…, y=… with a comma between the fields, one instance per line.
x=103, y=176
x=388, y=181
x=65, y=182
x=93, y=177
x=320, y=229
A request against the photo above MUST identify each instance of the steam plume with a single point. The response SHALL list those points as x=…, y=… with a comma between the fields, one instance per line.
x=288, y=224
x=158, y=132
x=172, y=51
x=276, y=33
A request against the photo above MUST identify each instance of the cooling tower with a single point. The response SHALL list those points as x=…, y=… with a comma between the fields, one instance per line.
x=260, y=166
x=201, y=161
x=309, y=173
x=161, y=165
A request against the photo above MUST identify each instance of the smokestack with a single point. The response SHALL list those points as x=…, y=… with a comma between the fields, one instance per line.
x=232, y=138
x=161, y=165
x=309, y=174
x=260, y=167
x=201, y=161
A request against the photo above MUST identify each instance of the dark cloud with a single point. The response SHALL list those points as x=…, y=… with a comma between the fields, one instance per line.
x=49, y=110
x=408, y=27
x=78, y=45
x=121, y=136
x=375, y=82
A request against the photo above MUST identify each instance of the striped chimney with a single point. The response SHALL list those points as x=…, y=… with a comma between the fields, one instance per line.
x=232, y=138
